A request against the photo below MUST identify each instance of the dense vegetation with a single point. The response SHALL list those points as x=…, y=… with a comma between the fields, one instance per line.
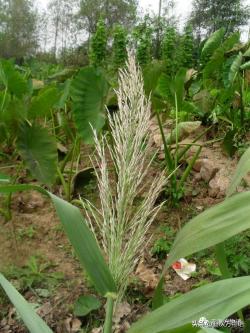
x=63, y=98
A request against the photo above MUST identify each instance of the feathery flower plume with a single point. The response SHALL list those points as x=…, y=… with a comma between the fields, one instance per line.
x=120, y=223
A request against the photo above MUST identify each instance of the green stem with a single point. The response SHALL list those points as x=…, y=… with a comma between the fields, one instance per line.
x=242, y=106
x=221, y=258
x=176, y=131
x=222, y=261
x=65, y=187
x=109, y=315
x=167, y=154
x=74, y=154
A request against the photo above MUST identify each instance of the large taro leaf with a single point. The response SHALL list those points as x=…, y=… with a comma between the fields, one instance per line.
x=39, y=152
x=13, y=81
x=215, y=300
x=89, y=90
x=235, y=67
x=13, y=114
x=42, y=103
x=213, y=42
x=32, y=321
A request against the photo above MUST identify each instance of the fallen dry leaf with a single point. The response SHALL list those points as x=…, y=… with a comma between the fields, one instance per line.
x=97, y=330
x=72, y=325
x=122, y=310
x=146, y=275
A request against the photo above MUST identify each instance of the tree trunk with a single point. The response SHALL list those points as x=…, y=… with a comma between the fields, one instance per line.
x=157, y=48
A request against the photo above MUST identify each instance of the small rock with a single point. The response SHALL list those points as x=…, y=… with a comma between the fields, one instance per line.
x=219, y=183
x=208, y=170
x=161, y=156
x=197, y=177
x=157, y=140
x=198, y=164
x=213, y=192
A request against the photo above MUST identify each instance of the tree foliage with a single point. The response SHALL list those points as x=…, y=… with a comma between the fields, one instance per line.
x=210, y=15
x=18, y=33
x=112, y=11
x=98, y=47
x=119, y=46
x=170, y=49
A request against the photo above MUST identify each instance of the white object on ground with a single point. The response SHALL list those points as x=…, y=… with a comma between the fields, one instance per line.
x=183, y=268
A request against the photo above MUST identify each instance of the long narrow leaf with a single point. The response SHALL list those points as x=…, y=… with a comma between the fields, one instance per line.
x=85, y=245
x=216, y=300
x=212, y=227
x=33, y=322
x=242, y=169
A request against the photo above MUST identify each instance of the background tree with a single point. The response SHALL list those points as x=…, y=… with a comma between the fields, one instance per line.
x=62, y=22
x=142, y=35
x=187, y=46
x=18, y=28
x=119, y=46
x=209, y=15
x=112, y=11
x=170, y=50
x=98, y=46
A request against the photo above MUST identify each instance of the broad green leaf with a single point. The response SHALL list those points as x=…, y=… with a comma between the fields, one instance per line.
x=151, y=74
x=235, y=67
x=213, y=67
x=32, y=321
x=39, y=152
x=85, y=304
x=213, y=42
x=242, y=169
x=85, y=245
x=62, y=75
x=81, y=238
x=12, y=79
x=13, y=114
x=89, y=90
x=216, y=300
x=247, y=53
x=245, y=66
x=64, y=94
x=42, y=104
x=178, y=86
x=163, y=88
x=231, y=41
x=212, y=227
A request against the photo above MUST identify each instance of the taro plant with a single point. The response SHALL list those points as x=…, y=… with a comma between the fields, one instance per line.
x=173, y=91
x=224, y=62
x=22, y=110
